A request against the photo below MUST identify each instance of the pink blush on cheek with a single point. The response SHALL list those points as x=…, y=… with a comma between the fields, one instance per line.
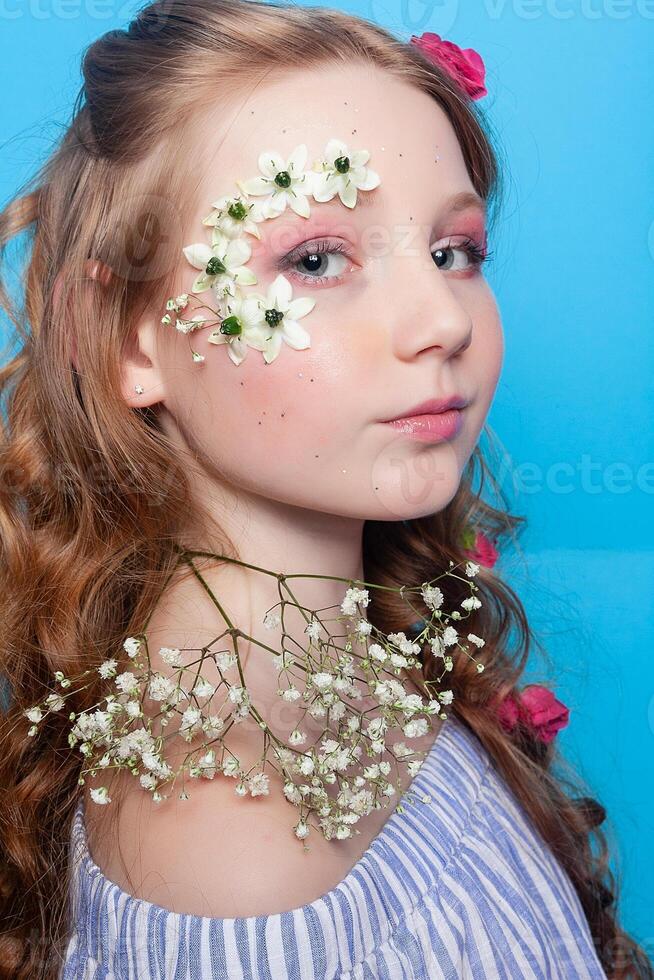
x=280, y=395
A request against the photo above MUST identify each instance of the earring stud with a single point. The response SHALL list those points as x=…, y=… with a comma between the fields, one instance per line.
x=138, y=389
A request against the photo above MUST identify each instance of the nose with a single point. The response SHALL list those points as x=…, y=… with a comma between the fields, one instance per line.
x=428, y=312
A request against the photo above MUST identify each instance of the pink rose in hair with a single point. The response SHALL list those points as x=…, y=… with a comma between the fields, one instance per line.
x=483, y=551
x=464, y=65
x=537, y=709
x=508, y=714
x=541, y=711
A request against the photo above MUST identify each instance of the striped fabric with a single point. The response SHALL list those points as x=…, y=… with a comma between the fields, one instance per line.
x=459, y=887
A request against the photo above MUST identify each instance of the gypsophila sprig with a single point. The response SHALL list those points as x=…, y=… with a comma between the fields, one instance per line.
x=333, y=780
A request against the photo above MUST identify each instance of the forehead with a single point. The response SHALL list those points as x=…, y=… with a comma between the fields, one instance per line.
x=403, y=128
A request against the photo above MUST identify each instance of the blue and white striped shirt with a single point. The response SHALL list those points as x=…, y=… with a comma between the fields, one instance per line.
x=461, y=887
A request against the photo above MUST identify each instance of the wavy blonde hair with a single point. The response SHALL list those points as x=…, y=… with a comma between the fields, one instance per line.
x=93, y=496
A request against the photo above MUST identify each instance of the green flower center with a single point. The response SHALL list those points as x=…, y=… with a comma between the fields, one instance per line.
x=237, y=210
x=215, y=266
x=342, y=164
x=231, y=326
x=283, y=178
x=273, y=317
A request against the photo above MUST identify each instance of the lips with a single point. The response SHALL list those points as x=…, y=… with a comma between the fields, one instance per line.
x=432, y=406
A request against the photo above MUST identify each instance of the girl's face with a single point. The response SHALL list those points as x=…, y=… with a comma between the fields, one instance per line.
x=402, y=311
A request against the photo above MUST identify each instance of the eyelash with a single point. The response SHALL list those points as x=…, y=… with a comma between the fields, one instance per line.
x=474, y=251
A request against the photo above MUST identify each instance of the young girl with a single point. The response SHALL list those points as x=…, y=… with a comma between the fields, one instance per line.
x=260, y=355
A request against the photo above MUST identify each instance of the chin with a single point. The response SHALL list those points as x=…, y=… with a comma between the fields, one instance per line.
x=415, y=487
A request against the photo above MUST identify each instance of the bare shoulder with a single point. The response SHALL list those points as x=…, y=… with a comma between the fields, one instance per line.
x=214, y=854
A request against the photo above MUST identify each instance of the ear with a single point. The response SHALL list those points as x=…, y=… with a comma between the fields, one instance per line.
x=139, y=363
x=141, y=376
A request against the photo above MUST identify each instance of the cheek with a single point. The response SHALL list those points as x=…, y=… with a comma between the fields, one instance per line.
x=290, y=405
x=488, y=343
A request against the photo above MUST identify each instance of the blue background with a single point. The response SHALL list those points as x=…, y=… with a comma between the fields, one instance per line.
x=570, y=94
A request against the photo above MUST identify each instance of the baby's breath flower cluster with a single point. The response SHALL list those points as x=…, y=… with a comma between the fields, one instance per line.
x=263, y=322
x=324, y=675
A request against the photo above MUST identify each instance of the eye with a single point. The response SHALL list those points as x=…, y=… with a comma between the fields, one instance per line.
x=475, y=256
x=316, y=261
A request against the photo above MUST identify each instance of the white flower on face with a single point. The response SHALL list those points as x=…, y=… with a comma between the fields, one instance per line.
x=55, y=702
x=471, y=603
x=242, y=326
x=284, y=182
x=34, y=714
x=279, y=316
x=222, y=265
x=342, y=172
x=472, y=568
x=235, y=215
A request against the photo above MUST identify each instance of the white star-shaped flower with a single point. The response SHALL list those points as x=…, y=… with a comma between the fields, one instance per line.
x=284, y=181
x=342, y=172
x=242, y=326
x=280, y=315
x=222, y=265
x=233, y=215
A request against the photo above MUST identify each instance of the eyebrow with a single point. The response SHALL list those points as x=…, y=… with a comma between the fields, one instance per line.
x=465, y=200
